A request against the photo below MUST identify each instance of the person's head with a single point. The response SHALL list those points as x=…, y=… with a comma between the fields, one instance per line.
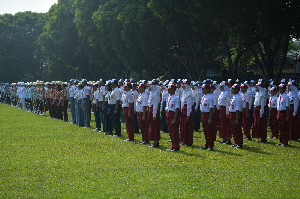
x=273, y=91
x=101, y=82
x=258, y=86
x=63, y=86
x=142, y=88
x=282, y=88
x=121, y=82
x=127, y=86
x=71, y=82
x=235, y=89
x=114, y=83
x=205, y=88
x=212, y=88
x=171, y=89
x=244, y=88
x=84, y=82
x=134, y=87
x=95, y=86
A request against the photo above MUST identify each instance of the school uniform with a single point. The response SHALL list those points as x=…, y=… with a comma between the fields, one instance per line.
x=283, y=125
x=236, y=105
x=79, y=112
x=273, y=116
x=172, y=105
x=72, y=91
x=86, y=106
x=223, y=104
x=259, y=128
x=115, y=95
x=163, y=119
x=186, y=127
x=245, y=124
x=141, y=102
x=206, y=104
x=153, y=112
x=294, y=123
x=107, y=122
x=96, y=108
x=127, y=99
x=135, y=95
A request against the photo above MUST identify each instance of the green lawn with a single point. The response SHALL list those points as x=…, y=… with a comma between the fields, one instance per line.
x=47, y=158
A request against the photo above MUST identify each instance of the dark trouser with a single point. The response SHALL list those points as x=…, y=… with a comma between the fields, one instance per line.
x=143, y=125
x=86, y=112
x=129, y=123
x=283, y=127
x=115, y=118
x=107, y=123
x=163, y=120
x=173, y=129
x=245, y=124
x=154, y=126
x=236, y=129
x=79, y=113
x=208, y=131
x=72, y=107
x=196, y=115
x=136, y=124
x=186, y=127
x=122, y=119
x=100, y=113
x=294, y=127
x=59, y=112
x=273, y=122
x=97, y=116
x=259, y=128
x=65, y=111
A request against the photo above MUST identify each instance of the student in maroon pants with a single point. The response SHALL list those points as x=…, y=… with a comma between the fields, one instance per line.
x=283, y=115
x=173, y=107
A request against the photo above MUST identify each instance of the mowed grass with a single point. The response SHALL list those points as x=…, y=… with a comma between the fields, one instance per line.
x=47, y=158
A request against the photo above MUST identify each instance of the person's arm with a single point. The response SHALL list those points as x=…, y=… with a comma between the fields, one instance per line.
x=262, y=106
x=296, y=105
x=155, y=107
x=144, y=112
x=118, y=101
x=189, y=104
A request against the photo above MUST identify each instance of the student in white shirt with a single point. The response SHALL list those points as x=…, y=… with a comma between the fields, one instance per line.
x=294, y=124
x=283, y=105
x=96, y=109
x=206, y=108
x=142, y=109
x=273, y=113
x=115, y=107
x=173, y=108
x=246, y=110
x=235, y=115
x=135, y=95
x=127, y=105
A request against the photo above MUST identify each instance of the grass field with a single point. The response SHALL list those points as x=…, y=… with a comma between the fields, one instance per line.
x=47, y=158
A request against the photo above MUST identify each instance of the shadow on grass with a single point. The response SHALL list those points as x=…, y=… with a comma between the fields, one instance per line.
x=256, y=150
x=227, y=153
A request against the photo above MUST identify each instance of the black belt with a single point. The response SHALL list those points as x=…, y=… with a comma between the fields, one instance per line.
x=171, y=111
x=282, y=111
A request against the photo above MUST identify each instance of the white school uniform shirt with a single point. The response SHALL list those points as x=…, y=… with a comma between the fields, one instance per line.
x=72, y=91
x=246, y=99
x=115, y=95
x=196, y=96
x=260, y=101
x=135, y=95
x=273, y=102
x=107, y=95
x=85, y=92
x=294, y=99
x=79, y=94
x=141, y=101
x=283, y=102
x=127, y=98
x=165, y=95
x=236, y=104
x=96, y=96
x=102, y=92
x=173, y=103
x=215, y=99
x=154, y=100
x=187, y=99
x=223, y=100
x=207, y=103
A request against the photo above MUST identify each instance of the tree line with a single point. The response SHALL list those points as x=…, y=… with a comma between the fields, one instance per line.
x=147, y=39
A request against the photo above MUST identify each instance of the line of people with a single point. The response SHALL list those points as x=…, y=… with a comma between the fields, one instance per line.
x=177, y=107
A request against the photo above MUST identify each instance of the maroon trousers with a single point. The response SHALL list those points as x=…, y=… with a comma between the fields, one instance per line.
x=236, y=129
x=129, y=123
x=186, y=128
x=283, y=127
x=154, y=126
x=143, y=125
x=173, y=129
x=259, y=127
x=208, y=131
x=245, y=123
x=215, y=124
x=224, y=131
x=294, y=127
x=273, y=122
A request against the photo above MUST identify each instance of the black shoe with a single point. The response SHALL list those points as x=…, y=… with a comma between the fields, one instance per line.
x=108, y=133
x=173, y=150
x=169, y=141
x=127, y=140
x=228, y=142
x=116, y=135
x=170, y=149
x=238, y=147
x=209, y=149
x=233, y=146
x=222, y=142
x=203, y=148
x=262, y=141
x=247, y=138
x=154, y=145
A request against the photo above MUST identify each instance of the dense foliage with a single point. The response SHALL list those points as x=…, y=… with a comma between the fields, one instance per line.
x=148, y=39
